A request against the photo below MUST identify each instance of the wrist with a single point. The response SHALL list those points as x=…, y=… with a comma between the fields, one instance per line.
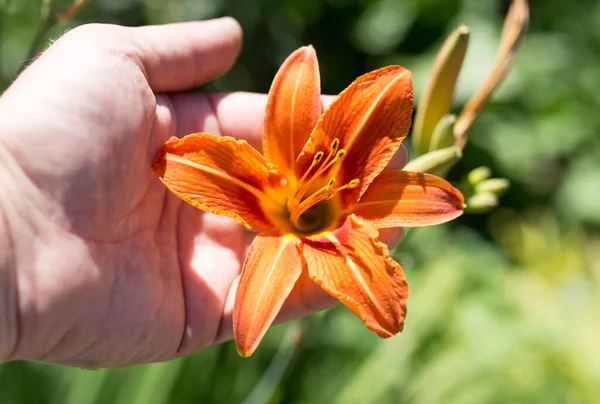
x=9, y=324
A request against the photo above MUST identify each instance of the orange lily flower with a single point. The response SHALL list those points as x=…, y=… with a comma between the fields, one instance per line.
x=318, y=195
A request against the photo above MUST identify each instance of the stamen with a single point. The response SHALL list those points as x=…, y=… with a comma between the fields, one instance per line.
x=320, y=195
x=334, y=146
x=339, y=156
x=352, y=184
x=333, y=149
x=310, y=200
x=318, y=156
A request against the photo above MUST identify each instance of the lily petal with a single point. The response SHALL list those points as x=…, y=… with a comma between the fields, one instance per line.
x=220, y=175
x=408, y=199
x=293, y=108
x=370, y=118
x=352, y=265
x=271, y=269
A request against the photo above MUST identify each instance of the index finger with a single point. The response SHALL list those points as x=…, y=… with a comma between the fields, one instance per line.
x=238, y=114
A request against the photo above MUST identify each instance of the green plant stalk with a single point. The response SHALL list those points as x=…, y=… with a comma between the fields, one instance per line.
x=2, y=12
x=48, y=20
x=515, y=25
x=265, y=388
x=4, y=5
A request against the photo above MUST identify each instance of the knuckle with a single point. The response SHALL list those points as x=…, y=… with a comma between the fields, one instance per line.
x=94, y=35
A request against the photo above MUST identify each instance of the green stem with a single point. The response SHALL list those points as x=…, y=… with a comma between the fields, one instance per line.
x=265, y=388
x=3, y=6
x=48, y=20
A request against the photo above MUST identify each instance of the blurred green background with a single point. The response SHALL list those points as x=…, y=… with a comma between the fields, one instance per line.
x=505, y=307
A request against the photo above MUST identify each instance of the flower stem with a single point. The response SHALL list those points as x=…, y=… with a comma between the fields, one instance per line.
x=2, y=8
x=48, y=19
x=265, y=388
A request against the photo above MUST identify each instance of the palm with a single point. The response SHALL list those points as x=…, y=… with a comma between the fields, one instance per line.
x=148, y=248
x=146, y=277
x=116, y=270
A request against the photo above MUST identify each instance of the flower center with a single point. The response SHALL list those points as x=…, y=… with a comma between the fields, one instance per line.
x=311, y=208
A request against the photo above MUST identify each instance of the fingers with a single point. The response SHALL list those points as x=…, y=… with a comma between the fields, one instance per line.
x=186, y=55
x=241, y=115
x=173, y=57
x=306, y=298
x=237, y=114
x=391, y=236
x=210, y=261
x=400, y=159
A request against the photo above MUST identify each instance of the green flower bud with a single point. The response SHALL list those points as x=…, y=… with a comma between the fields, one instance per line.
x=435, y=162
x=437, y=97
x=478, y=175
x=443, y=134
x=496, y=186
x=481, y=203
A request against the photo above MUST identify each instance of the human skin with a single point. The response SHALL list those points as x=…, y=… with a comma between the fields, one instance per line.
x=100, y=266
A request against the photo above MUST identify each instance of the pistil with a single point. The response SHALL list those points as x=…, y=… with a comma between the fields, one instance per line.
x=300, y=203
x=322, y=194
x=335, y=156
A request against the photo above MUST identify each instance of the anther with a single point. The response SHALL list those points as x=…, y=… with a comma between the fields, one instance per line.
x=320, y=195
x=333, y=158
x=350, y=185
x=334, y=145
x=316, y=159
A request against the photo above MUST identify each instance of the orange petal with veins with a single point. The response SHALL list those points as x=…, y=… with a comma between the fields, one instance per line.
x=220, y=175
x=370, y=118
x=352, y=265
x=271, y=269
x=407, y=199
x=293, y=108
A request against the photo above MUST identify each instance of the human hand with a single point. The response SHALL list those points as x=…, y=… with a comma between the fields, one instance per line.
x=102, y=266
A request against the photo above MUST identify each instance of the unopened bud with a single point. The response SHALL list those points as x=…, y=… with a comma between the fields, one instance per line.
x=481, y=203
x=435, y=162
x=443, y=134
x=439, y=91
x=496, y=186
x=479, y=174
